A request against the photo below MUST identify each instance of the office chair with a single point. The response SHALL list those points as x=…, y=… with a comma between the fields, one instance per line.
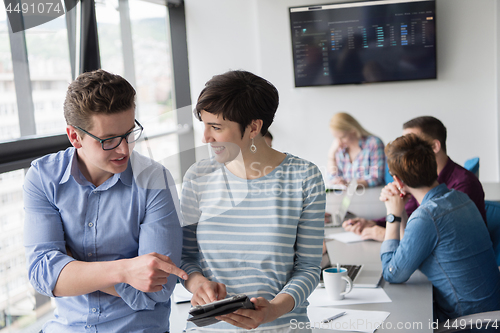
x=493, y=219
x=472, y=321
x=472, y=164
x=387, y=177
x=475, y=320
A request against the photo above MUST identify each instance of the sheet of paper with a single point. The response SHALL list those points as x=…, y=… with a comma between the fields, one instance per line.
x=180, y=294
x=353, y=320
x=338, y=187
x=345, y=237
x=357, y=296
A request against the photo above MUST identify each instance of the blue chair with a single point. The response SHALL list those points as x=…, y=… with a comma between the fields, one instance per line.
x=474, y=320
x=470, y=323
x=493, y=219
x=388, y=178
x=472, y=165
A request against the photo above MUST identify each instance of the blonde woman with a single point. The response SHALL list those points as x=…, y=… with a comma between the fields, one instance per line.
x=355, y=153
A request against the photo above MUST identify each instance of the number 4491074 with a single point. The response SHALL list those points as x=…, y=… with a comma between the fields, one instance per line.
x=478, y=324
x=39, y=8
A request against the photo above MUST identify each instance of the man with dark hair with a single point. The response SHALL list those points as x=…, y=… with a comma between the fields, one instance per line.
x=102, y=233
x=445, y=237
x=430, y=127
x=449, y=173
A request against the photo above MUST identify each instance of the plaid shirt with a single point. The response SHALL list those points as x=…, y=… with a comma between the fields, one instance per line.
x=368, y=165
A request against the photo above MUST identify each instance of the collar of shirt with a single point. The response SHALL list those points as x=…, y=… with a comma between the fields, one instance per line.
x=435, y=192
x=361, y=143
x=446, y=172
x=73, y=170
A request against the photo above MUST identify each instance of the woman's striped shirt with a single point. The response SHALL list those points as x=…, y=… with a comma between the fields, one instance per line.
x=259, y=237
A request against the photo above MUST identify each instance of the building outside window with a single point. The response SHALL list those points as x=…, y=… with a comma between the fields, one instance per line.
x=9, y=128
x=50, y=73
x=148, y=67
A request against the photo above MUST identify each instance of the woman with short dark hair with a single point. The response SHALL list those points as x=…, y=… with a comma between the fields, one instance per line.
x=254, y=215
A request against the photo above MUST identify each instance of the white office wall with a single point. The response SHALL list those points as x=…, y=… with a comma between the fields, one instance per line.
x=255, y=35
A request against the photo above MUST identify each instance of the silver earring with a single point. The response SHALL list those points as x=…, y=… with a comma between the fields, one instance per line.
x=253, y=148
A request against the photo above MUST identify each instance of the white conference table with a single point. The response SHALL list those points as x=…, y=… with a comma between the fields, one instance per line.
x=411, y=301
x=365, y=202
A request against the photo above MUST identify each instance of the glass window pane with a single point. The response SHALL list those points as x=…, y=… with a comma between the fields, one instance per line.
x=50, y=72
x=108, y=29
x=153, y=71
x=20, y=306
x=9, y=127
x=165, y=150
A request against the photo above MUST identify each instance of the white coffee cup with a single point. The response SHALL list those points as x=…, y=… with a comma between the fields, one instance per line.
x=337, y=283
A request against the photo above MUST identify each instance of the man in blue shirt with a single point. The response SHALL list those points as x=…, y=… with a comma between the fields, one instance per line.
x=445, y=237
x=449, y=173
x=102, y=233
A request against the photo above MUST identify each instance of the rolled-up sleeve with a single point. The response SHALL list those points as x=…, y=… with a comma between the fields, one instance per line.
x=43, y=236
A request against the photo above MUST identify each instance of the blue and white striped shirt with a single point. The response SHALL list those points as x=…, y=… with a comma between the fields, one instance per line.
x=259, y=237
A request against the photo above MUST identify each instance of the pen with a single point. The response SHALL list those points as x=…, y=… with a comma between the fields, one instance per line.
x=401, y=194
x=327, y=320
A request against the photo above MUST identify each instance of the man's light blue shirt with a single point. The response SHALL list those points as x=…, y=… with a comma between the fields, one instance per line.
x=446, y=239
x=130, y=214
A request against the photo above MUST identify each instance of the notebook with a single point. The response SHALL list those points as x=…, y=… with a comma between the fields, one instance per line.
x=362, y=275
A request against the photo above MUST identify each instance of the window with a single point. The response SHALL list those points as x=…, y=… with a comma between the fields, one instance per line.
x=50, y=72
x=8, y=104
x=153, y=82
x=110, y=41
x=149, y=68
x=19, y=307
x=143, y=58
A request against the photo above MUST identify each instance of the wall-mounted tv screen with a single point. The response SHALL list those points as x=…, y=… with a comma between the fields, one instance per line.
x=368, y=41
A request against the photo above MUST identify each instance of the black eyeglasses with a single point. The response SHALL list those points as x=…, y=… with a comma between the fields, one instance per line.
x=115, y=141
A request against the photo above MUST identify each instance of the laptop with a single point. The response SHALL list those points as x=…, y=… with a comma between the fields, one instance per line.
x=362, y=275
x=342, y=212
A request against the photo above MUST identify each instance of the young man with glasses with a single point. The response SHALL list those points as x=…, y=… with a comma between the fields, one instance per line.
x=102, y=233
